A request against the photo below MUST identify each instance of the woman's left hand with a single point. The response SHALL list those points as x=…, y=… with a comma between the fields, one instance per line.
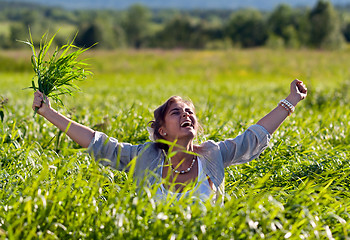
x=298, y=92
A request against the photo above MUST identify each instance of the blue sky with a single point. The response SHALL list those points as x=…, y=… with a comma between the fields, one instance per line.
x=184, y=4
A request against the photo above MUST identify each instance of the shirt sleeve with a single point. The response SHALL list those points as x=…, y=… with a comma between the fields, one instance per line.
x=109, y=152
x=245, y=147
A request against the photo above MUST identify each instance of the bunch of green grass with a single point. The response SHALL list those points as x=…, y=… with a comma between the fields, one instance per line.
x=55, y=74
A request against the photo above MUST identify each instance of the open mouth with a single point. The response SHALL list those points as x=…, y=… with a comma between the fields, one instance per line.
x=186, y=124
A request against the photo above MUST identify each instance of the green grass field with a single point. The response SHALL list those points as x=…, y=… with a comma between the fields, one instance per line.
x=297, y=189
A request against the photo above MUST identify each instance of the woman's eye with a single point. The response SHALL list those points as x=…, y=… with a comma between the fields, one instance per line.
x=175, y=113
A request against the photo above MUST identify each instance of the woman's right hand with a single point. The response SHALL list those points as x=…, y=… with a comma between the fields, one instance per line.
x=40, y=103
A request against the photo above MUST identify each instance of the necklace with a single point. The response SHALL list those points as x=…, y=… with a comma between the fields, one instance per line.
x=184, y=171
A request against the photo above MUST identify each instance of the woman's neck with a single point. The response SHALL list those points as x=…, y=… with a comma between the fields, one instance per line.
x=181, y=155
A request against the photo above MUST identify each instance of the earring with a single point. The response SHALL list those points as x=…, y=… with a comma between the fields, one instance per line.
x=164, y=134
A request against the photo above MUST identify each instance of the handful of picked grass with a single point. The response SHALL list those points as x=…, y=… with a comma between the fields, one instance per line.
x=55, y=74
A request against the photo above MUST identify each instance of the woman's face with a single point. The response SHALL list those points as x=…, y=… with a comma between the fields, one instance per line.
x=180, y=122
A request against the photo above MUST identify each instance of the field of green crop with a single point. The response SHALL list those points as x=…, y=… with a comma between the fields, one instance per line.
x=299, y=188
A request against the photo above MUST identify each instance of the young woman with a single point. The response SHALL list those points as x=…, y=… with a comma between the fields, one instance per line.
x=175, y=121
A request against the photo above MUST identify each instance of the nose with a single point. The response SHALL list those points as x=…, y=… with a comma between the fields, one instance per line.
x=185, y=114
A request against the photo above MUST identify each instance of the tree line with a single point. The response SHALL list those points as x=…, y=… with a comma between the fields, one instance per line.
x=321, y=27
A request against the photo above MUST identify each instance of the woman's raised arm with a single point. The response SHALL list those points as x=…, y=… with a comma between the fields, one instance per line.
x=77, y=132
x=275, y=118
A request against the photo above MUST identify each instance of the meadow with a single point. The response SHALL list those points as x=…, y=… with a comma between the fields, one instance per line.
x=297, y=189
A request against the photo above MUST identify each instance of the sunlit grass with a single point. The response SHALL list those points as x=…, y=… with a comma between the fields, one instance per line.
x=298, y=189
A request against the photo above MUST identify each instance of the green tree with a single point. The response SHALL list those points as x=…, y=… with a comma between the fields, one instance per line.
x=280, y=18
x=103, y=30
x=346, y=32
x=303, y=27
x=247, y=28
x=181, y=32
x=136, y=25
x=282, y=25
x=325, y=26
x=89, y=34
x=17, y=32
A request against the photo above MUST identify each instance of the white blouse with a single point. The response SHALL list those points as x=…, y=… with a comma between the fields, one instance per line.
x=201, y=191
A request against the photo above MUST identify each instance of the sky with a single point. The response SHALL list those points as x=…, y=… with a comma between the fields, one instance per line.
x=182, y=4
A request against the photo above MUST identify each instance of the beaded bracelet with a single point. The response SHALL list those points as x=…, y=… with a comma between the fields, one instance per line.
x=287, y=105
